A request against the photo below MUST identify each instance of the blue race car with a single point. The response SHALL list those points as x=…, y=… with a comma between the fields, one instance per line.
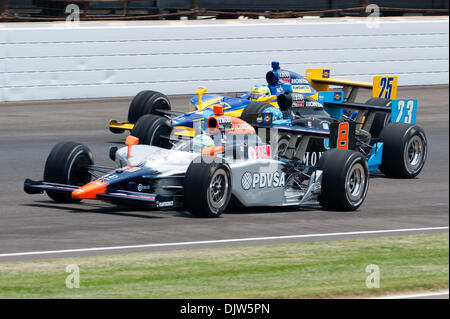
x=292, y=101
x=384, y=130
x=200, y=106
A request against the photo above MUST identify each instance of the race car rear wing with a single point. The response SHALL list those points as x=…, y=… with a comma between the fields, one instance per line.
x=382, y=86
x=401, y=110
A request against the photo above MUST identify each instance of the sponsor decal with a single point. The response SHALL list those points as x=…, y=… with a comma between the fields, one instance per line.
x=326, y=73
x=313, y=104
x=141, y=187
x=109, y=178
x=224, y=120
x=325, y=125
x=301, y=88
x=262, y=180
x=241, y=126
x=164, y=204
x=337, y=96
x=311, y=158
x=299, y=81
x=268, y=118
x=284, y=76
x=298, y=103
x=298, y=100
x=260, y=152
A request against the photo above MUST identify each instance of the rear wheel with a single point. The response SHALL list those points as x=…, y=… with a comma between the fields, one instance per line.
x=404, y=150
x=207, y=187
x=345, y=179
x=67, y=163
x=253, y=110
x=147, y=102
x=153, y=130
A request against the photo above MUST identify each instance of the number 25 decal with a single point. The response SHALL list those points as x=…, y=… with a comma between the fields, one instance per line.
x=386, y=87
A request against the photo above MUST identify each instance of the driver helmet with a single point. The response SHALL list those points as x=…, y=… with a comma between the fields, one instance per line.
x=201, y=142
x=258, y=91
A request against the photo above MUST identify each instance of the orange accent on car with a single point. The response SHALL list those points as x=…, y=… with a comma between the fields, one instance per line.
x=343, y=130
x=213, y=150
x=218, y=110
x=130, y=141
x=90, y=190
x=229, y=124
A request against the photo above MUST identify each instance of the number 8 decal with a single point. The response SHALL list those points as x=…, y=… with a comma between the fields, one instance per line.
x=342, y=140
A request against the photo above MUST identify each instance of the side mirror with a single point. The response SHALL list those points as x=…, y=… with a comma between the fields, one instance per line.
x=112, y=153
x=200, y=91
x=131, y=140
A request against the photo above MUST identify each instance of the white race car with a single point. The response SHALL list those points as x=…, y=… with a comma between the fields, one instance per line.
x=227, y=162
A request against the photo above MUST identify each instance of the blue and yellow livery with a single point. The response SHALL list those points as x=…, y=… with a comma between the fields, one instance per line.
x=150, y=102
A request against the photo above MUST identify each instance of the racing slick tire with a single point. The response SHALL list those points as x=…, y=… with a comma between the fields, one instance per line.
x=404, y=150
x=154, y=130
x=207, y=187
x=67, y=163
x=147, y=102
x=253, y=110
x=345, y=179
x=381, y=119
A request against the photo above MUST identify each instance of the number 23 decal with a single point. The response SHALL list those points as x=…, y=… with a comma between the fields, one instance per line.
x=404, y=111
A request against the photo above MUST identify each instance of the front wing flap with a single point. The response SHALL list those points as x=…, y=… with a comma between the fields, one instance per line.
x=159, y=201
x=115, y=125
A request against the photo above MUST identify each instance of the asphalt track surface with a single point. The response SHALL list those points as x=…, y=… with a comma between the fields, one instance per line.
x=28, y=131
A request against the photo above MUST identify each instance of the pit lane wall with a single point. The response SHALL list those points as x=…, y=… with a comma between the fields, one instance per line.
x=41, y=61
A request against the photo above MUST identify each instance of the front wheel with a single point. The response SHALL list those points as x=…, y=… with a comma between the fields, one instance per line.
x=345, y=179
x=147, y=102
x=153, y=130
x=67, y=163
x=207, y=187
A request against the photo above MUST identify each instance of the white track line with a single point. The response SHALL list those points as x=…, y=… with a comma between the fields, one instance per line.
x=221, y=241
x=430, y=294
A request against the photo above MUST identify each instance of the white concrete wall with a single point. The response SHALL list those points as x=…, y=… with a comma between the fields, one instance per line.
x=112, y=59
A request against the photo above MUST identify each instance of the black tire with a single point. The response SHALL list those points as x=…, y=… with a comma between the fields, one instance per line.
x=345, y=179
x=404, y=150
x=147, y=102
x=197, y=187
x=381, y=119
x=253, y=110
x=67, y=164
x=154, y=130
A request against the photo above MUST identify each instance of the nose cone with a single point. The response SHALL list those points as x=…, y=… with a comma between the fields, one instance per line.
x=90, y=190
